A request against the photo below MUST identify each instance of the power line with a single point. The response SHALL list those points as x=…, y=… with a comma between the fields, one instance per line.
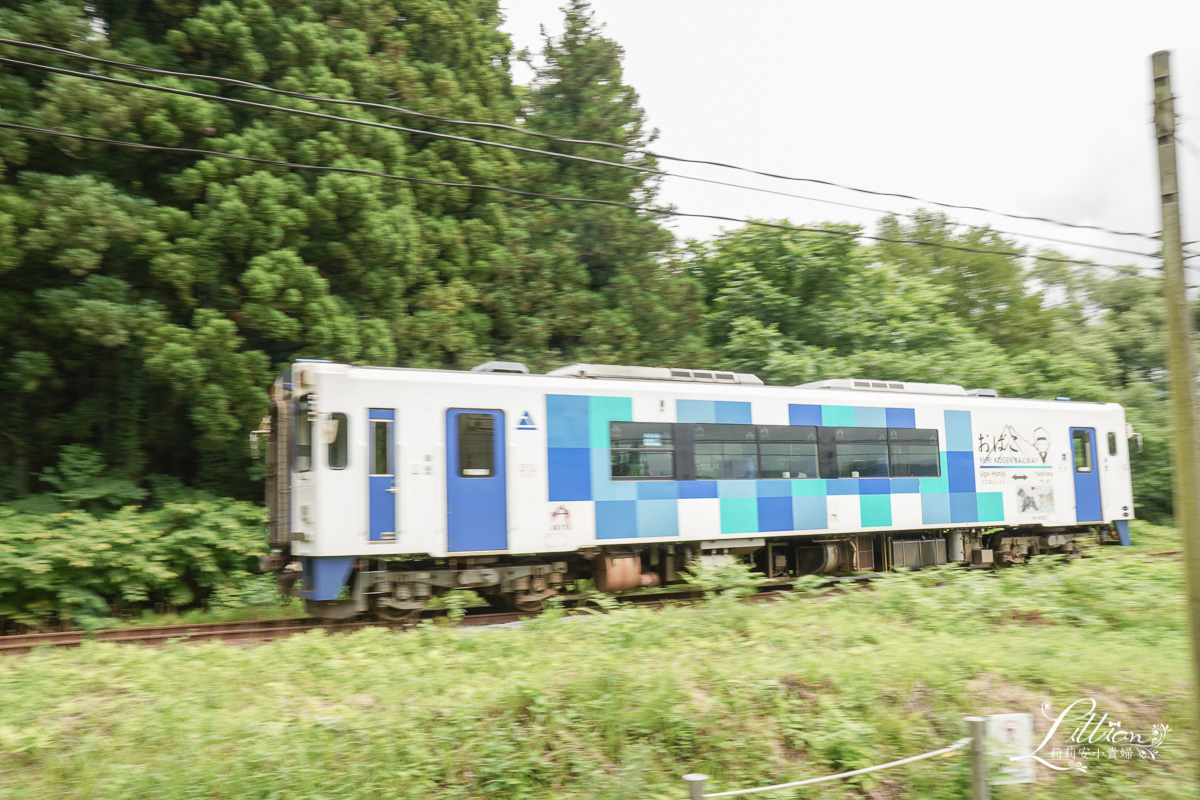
x=590, y=142
x=537, y=195
x=399, y=128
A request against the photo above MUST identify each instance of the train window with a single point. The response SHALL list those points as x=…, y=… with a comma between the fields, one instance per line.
x=476, y=445
x=1112, y=444
x=1081, y=443
x=861, y=452
x=787, y=451
x=914, y=453
x=337, y=438
x=642, y=450
x=723, y=452
x=304, y=432
x=380, y=451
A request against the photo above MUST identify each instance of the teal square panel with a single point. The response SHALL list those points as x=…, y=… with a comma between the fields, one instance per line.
x=657, y=518
x=870, y=417
x=603, y=410
x=991, y=506
x=737, y=489
x=695, y=411
x=739, y=515
x=837, y=416
x=809, y=487
x=876, y=510
x=809, y=513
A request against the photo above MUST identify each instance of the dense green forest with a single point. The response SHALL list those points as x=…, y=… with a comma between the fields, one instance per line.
x=147, y=298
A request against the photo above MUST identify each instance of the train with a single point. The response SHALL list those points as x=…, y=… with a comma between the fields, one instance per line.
x=388, y=487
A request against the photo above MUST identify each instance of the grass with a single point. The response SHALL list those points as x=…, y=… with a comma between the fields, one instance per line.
x=620, y=705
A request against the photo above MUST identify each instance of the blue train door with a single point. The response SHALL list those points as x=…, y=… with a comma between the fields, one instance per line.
x=381, y=491
x=1087, y=475
x=476, y=497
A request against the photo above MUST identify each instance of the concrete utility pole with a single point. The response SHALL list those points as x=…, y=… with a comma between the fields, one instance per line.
x=1181, y=362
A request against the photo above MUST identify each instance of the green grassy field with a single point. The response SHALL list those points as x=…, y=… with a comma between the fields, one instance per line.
x=620, y=705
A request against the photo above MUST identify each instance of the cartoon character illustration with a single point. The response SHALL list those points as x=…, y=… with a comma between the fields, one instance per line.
x=1041, y=443
x=1027, y=501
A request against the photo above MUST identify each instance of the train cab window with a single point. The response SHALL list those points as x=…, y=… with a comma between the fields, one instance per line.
x=337, y=436
x=724, y=452
x=861, y=452
x=914, y=453
x=642, y=450
x=1112, y=444
x=787, y=451
x=1081, y=443
x=304, y=433
x=476, y=445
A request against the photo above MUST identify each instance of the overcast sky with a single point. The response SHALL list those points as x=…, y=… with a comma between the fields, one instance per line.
x=1035, y=108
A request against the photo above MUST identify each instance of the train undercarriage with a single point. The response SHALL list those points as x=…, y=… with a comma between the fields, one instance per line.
x=402, y=589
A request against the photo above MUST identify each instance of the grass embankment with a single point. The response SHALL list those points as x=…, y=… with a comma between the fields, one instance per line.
x=619, y=706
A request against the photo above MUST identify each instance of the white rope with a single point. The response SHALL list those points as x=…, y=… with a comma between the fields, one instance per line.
x=961, y=743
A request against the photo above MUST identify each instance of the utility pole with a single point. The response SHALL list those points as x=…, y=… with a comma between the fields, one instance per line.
x=1181, y=362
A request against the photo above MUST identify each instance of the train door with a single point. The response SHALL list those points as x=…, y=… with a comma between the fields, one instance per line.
x=476, y=496
x=381, y=489
x=1087, y=475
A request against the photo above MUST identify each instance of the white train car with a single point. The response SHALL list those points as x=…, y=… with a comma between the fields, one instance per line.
x=389, y=486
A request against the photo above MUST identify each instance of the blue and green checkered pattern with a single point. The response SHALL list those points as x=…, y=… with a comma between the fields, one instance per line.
x=579, y=469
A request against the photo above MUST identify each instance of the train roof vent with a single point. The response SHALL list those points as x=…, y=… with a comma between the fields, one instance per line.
x=888, y=386
x=510, y=367
x=613, y=371
x=983, y=393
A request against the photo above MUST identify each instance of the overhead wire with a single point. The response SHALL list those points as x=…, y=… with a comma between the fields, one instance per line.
x=589, y=142
x=537, y=195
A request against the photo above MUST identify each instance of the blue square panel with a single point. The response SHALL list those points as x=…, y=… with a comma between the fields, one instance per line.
x=901, y=418
x=775, y=513
x=693, y=489
x=842, y=486
x=616, y=519
x=570, y=471
x=958, y=431
x=960, y=469
x=695, y=411
x=935, y=509
x=734, y=413
x=657, y=490
x=874, y=486
x=566, y=420
x=804, y=415
x=737, y=488
x=603, y=486
x=963, y=507
x=809, y=514
x=870, y=417
x=906, y=485
x=657, y=519
x=775, y=488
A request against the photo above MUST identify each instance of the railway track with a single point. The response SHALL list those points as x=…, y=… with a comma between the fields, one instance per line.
x=267, y=630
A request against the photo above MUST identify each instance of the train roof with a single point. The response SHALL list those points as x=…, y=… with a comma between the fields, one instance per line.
x=705, y=381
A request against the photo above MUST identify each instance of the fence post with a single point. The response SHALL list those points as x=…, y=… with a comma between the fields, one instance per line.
x=979, y=771
x=695, y=785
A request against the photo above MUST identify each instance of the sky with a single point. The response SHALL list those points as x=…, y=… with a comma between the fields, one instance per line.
x=1031, y=108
